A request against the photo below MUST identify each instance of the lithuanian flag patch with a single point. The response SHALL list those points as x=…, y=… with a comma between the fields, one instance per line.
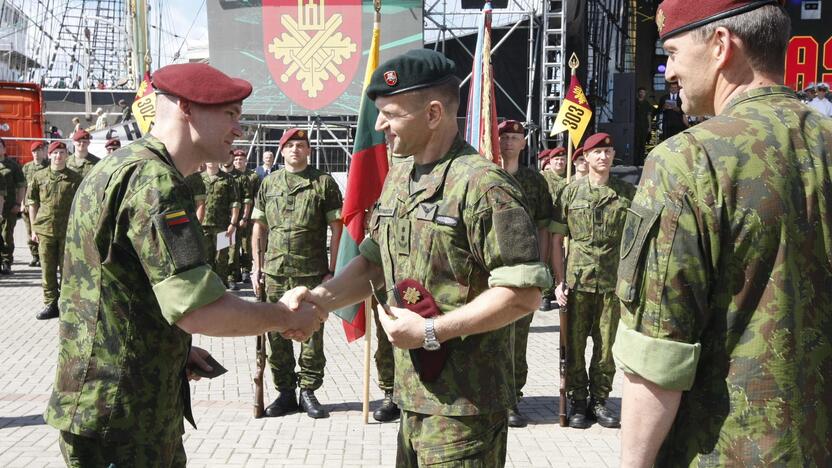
x=176, y=218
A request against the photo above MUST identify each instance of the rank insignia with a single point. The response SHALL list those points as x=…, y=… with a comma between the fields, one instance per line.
x=412, y=296
x=660, y=20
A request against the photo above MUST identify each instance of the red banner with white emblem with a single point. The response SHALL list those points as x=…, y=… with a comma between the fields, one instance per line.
x=312, y=47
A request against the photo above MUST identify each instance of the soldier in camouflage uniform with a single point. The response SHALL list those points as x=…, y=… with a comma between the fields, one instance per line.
x=295, y=205
x=137, y=286
x=726, y=259
x=15, y=192
x=553, y=168
x=252, y=182
x=539, y=204
x=591, y=213
x=49, y=200
x=579, y=163
x=222, y=210
x=197, y=188
x=455, y=222
x=40, y=160
x=82, y=160
x=244, y=188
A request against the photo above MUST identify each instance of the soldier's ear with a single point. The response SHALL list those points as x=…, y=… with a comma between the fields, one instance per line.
x=435, y=113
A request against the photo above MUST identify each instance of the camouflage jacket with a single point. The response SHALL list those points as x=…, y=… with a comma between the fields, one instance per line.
x=221, y=196
x=593, y=218
x=537, y=195
x=297, y=209
x=555, y=183
x=82, y=166
x=197, y=188
x=29, y=170
x=12, y=174
x=725, y=274
x=243, y=186
x=459, y=230
x=53, y=191
x=133, y=266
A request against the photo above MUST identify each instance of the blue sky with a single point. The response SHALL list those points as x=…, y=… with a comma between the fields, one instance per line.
x=177, y=17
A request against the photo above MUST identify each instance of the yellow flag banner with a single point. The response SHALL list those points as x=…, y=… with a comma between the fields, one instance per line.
x=574, y=114
x=144, y=107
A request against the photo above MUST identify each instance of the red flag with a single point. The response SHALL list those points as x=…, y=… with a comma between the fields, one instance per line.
x=481, y=119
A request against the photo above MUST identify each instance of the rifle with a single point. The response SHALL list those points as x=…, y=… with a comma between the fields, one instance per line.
x=262, y=340
x=562, y=355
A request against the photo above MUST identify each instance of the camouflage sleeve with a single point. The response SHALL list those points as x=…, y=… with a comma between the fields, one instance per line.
x=254, y=186
x=545, y=212
x=198, y=188
x=245, y=194
x=332, y=199
x=502, y=236
x=559, y=211
x=234, y=193
x=168, y=244
x=33, y=194
x=369, y=247
x=259, y=211
x=19, y=177
x=668, y=247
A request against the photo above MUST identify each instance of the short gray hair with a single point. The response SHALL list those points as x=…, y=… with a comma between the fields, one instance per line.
x=764, y=32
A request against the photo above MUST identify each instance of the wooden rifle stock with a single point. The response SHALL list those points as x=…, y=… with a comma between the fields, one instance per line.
x=562, y=355
x=262, y=341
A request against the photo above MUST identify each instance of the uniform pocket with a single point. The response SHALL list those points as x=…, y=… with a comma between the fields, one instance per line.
x=640, y=221
x=580, y=221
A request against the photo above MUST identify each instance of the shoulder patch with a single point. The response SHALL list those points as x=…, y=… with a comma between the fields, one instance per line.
x=182, y=239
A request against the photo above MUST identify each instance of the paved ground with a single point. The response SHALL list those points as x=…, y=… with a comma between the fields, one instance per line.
x=229, y=436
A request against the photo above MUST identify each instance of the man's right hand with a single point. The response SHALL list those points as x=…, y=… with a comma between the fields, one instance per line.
x=305, y=320
x=35, y=238
x=562, y=294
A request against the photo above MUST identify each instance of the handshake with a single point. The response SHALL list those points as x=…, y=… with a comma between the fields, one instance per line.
x=305, y=317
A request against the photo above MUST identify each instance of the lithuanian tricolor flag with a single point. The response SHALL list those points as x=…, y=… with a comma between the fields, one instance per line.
x=368, y=169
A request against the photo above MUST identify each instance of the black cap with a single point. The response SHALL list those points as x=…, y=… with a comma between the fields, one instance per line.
x=416, y=69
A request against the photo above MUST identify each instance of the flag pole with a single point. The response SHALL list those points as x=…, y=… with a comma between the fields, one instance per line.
x=368, y=303
x=574, y=63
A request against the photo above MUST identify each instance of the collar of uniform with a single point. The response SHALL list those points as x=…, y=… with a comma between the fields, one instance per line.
x=156, y=146
x=759, y=92
x=302, y=179
x=431, y=182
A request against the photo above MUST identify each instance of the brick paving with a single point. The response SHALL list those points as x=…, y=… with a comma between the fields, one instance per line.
x=228, y=435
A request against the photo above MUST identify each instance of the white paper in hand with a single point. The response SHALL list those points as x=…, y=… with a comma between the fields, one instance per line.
x=223, y=242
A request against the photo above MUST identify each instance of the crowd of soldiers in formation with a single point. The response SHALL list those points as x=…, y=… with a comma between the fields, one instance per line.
x=230, y=204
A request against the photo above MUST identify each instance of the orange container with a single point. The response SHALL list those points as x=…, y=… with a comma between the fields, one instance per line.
x=21, y=116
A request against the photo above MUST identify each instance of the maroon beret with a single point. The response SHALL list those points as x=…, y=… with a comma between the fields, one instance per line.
x=510, y=126
x=579, y=151
x=37, y=145
x=238, y=152
x=559, y=151
x=200, y=83
x=544, y=155
x=294, y=134
x=81, y=134
x=598, y=140
x=56, y=145
x=677, y=16
x=113, y=143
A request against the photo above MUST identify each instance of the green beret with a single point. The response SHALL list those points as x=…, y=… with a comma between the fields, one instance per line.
x=416, y=69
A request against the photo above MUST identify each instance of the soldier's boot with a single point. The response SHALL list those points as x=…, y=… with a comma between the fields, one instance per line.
x=285, y=403
x=577, y=417
x=515, y=418
x=5, y=268
x=309, y=403
x=389, y=410
x=605, y=417
x=49, y=312
x=34, y=262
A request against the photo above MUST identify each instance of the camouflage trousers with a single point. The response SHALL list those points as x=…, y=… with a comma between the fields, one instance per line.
x=7, y=224
x=452, y=441
x=384, y=359
x=218, y=260
x=596, y=315
x=236, y=260
x=33, y=246
x=51, y=251
x=282, y=358
x=82, y=452
x=521, y=341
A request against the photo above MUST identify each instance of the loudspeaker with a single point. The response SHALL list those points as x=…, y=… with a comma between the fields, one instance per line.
x=623, y=97
x=478, y=4
x=623, y=140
